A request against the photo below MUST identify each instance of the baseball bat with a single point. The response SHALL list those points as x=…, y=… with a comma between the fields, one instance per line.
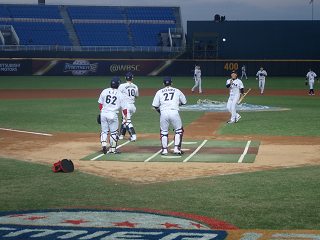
x=244, y=95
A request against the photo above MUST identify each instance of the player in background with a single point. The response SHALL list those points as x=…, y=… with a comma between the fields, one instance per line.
x=130, y=92
x=110, y=101
x=311, y=75
x=244, y=72
x=261, y=74
x=194, y=70
x=197, y=75
x=234, y=84
x=167, y=101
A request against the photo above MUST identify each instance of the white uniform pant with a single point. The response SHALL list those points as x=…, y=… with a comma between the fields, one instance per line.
x=109, y=123
x=167, y=117
x=261, y=84
x=311, y=83
x=131, y=109
x=244, y=75
x=197, y=83
x=232, y=105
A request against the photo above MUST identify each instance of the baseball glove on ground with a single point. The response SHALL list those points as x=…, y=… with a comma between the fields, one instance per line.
x=306, y=83
x=99, y=119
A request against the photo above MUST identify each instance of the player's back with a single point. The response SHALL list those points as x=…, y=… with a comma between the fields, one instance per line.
x=129, y=91
x=110, y=99
x=169, y=98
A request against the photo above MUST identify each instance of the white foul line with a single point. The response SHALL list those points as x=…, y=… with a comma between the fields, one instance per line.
x=20, y=131
x=244, y=152
x=148, y=159
x=195, y=151
x=104, y=154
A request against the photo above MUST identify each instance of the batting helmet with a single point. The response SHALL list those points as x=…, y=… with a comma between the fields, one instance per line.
x=167, y=81
x=129, y=76
x=115, y=82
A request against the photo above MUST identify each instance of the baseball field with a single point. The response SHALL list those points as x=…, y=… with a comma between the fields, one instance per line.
x=275, y=187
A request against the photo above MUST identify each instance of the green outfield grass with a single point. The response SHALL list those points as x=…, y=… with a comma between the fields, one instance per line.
x=273, y=199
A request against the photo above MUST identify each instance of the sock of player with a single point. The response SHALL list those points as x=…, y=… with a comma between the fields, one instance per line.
x=164, y=140
x=103, y=139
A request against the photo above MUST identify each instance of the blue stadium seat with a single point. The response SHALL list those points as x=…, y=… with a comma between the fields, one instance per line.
x=147, y=34
x=111, y=13
x=34, y=11
x=4, y=12
x=41, y=33
x=102, y=34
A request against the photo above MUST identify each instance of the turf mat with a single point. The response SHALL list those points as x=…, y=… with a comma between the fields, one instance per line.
x=148, y=150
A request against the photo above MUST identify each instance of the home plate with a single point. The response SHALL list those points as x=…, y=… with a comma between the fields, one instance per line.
x=189, y=142
x=171, y=156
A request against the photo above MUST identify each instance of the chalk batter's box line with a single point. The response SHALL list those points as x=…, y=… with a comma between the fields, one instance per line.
x=246, y=156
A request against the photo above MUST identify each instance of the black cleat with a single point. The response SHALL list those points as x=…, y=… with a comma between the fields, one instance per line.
x=104, y=150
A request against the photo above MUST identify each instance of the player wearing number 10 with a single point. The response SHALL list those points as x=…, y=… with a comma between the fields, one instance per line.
x=167, y=101
x=130, y=92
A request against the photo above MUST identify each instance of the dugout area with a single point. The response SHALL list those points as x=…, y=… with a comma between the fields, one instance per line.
x=148, y=150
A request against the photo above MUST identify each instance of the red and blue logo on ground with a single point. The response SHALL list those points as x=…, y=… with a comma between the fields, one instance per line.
x=109, y=223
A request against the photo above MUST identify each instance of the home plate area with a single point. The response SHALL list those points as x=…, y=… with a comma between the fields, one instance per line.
x=148, y=150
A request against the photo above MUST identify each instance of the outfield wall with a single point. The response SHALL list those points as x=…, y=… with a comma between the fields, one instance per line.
x=151, y=67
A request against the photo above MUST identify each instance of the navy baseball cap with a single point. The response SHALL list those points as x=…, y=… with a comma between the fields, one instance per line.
x=167, y=81
x=129, y=76
x=234, y=71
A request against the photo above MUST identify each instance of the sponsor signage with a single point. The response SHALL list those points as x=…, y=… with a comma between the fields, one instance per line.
x=15, y=67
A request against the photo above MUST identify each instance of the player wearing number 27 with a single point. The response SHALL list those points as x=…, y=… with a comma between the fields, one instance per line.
x=130, y=92
x=167, y=101
x=110, y=101
x=234, y=84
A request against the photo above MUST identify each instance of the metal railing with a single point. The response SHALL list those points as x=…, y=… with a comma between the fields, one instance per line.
x=88, y=48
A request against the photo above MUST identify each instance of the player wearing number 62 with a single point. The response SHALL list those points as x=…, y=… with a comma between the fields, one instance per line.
x=130, y=92
x=234, y=84
x=167, y=101
x=110, y=101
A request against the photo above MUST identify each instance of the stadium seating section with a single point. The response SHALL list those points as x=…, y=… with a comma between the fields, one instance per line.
x=103, y=34
x=94, y=26
x=95, y=13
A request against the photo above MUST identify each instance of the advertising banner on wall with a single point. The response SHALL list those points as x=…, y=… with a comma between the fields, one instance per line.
x=151, y=67
x=15, y=67
x=93, y=67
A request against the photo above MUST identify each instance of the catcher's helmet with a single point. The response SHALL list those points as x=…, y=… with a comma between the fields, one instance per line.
x=129, y=76
x=167, y=81
x=115, y=82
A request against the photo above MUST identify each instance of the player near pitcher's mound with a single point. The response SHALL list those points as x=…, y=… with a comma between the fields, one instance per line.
x=110, y=101
x=235, y=85
x=130, y=92
x=167, y=101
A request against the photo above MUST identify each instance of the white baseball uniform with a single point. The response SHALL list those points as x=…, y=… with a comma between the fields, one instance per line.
x=168, y=100
x=197, y=80
x=234, y=91
x=311, y=76
x=262, y=79
x=111, y=100
x=129, y=91
x=244, y=72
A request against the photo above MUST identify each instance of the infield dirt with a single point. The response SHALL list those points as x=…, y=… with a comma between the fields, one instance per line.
x=274, y=151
